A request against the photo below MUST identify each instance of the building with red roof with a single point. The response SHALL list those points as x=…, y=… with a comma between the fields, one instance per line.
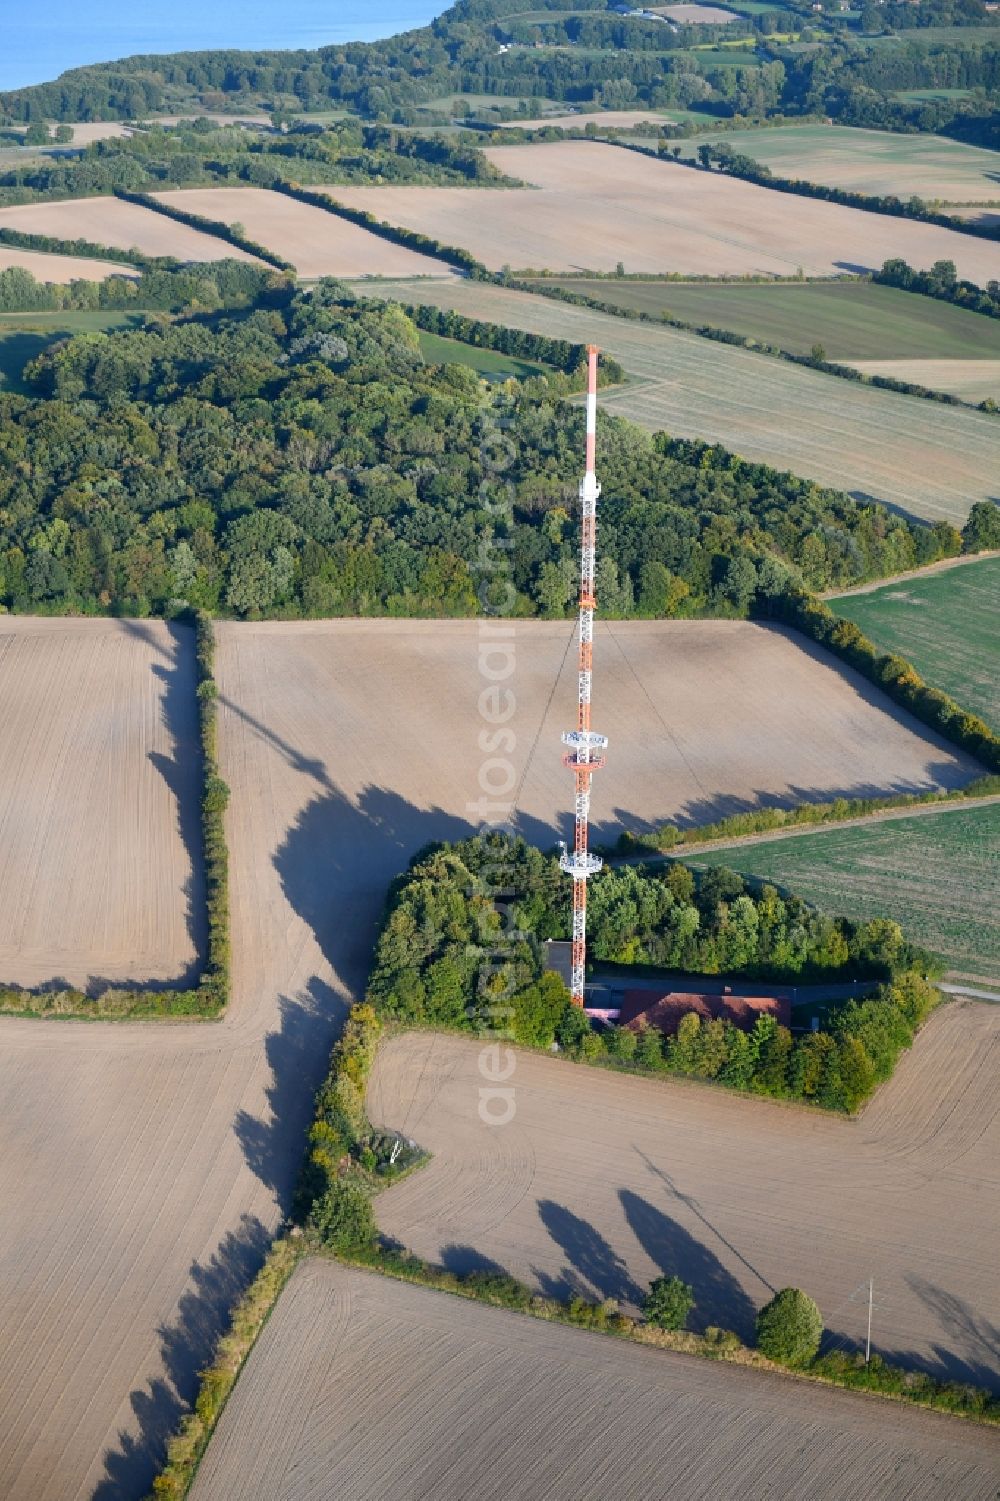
x=646, y=1008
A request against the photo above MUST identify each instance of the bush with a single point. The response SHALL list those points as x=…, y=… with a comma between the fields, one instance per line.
x=789, y=1328
x=343, y=1217
x=668, y=1303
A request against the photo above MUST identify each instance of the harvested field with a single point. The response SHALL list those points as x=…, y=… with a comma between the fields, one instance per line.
x=946, y=624
x=872, y=161
x=937, y=875
x=111, y=221
x=98, y=802
x=852, y=320
x=972, y=380
x=595, y=205
x=317, y=243
x=605, y=119
x=739, y=1197
x=361, y=1389
x=145, y=1167
x=696, y=15
x=924, y=458
x=59, y=268
x=100, y=130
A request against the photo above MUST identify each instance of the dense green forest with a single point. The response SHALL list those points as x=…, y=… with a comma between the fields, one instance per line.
x=295, y=456
x=449, y=954
x=848, y=64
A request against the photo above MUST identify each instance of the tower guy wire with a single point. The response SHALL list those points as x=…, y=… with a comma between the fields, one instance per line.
x=585, y=748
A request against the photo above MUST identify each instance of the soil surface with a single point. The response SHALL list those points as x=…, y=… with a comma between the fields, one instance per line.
x=602, y=1181
x=361, y=1389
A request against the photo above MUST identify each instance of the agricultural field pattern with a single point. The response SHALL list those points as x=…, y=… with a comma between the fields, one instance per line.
x=851, y=320
x=118, y=1276
x=737, y=1196
x=947, y=625
x=937, y=875
x=246, y=453
x=928, y=460
x=399, y=1391
x=590, y=205
x=873, y=161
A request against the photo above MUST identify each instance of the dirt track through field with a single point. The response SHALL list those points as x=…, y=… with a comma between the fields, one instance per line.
x=929, y=460
x=362, y=1389
x=144, y=1167
x=602, y=1182
x=592, y=205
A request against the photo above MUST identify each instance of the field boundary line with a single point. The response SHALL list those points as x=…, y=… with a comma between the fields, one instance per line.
x=767, y=836
x=520, y=282
x=912, y=575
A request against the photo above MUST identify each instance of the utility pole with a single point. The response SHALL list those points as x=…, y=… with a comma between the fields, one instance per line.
x=868, y=1341
x=585, y=747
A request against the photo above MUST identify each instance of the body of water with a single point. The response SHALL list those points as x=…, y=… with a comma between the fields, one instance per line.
x=39, y=44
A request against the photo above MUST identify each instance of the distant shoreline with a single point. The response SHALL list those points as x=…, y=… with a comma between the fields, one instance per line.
x=47, y=42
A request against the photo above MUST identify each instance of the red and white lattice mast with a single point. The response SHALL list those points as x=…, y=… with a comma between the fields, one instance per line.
x=585, y=753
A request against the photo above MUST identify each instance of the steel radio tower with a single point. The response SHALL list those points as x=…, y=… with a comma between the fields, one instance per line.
x=585, y=750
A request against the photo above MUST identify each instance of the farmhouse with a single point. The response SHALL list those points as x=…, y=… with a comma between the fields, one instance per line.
x=645, y=1008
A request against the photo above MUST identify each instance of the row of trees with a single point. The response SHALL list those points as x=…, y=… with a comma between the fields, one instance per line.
x=232, y=234
x=562, y=355
x=816, y=359
x=942, y=281
x=300, y=458
x=447, y=950
x=738, y=164
x=200, y=153
x=209, y=286
x=892, y=673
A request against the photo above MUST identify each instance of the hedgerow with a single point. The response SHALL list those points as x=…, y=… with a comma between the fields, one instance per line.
x=803, y=815
x=412, y=239
x=217, y=227
x=569, y=359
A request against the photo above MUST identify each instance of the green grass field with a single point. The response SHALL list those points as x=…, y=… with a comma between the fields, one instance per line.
x=486, y=362
x=24, y=335
x=852, y=320
x=937, y=875
x=947, y=625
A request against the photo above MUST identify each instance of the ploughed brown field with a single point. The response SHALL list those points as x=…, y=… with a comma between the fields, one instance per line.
x=603, y=1181
x=61, y=269
x=361, y=1389
x=112, y=221
x=593, y=205
x=604, y=119
x=98, y=802
x=927, y=459
x=145, y=1167
x=316, y=243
